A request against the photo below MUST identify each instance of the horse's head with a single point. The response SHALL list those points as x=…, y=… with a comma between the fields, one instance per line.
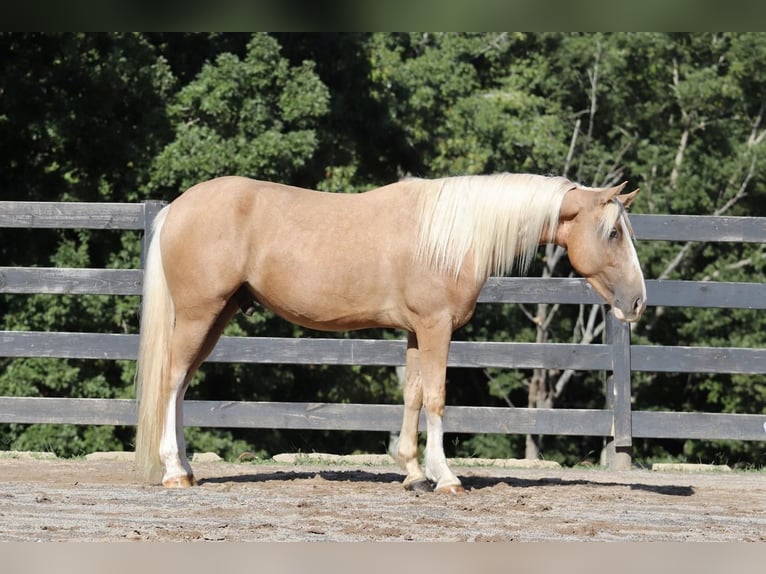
x=594, y=227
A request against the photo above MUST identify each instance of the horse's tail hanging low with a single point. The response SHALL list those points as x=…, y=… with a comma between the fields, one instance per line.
x=157, y=324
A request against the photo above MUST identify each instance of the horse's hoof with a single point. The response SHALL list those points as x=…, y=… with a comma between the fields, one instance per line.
x=421, y=485
x=183, y=481
x=451, y=489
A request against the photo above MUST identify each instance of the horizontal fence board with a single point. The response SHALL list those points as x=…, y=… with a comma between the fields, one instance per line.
x=131, y=216
x=669, y=293
x=387, y=418
x=595, y=357
x=321, y=351
x=75, y=215
x=308, y=351
x=715, y=294
x=457, y=419
x=708, y=426
x=706, y=228
x=68, y=345
x=569, y=290
x=61, y=410
x=55, y=280
x=392, y=352
x=651, y=358
x=505, y=420
x=309, y=416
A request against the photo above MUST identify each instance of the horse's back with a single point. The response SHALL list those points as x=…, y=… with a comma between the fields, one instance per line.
x=260, y=200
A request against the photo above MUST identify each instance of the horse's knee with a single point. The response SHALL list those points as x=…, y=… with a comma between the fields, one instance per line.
x=406, y=450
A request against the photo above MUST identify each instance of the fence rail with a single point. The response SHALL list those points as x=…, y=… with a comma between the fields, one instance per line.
x=616, y=355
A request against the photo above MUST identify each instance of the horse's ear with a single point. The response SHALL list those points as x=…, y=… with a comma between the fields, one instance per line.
x=613, y=192
x=628, y=198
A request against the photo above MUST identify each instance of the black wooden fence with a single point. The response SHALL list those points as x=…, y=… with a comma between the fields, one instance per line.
x=615, y=356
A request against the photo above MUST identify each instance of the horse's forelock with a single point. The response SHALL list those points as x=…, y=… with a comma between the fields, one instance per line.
x=613, y=213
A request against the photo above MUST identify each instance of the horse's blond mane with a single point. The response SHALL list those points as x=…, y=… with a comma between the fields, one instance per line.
x=499, y=218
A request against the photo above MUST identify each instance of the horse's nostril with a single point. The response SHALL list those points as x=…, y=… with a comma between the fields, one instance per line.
x=638, y=304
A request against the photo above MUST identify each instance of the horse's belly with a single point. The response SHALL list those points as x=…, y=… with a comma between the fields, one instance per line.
x=318, y=298
x=329, y=313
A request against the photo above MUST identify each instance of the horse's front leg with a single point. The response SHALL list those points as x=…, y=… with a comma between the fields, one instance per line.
x=407, y=452
x=433, y=351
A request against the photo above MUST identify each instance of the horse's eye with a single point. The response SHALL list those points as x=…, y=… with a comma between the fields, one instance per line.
x=613, y=234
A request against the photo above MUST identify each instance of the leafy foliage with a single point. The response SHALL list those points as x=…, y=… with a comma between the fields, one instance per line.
x=254, y=116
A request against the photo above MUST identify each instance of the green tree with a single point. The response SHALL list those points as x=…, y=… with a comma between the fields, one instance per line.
x=255, y=116
x=706, y=158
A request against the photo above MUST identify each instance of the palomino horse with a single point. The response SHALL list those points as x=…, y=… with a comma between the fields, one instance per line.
x=412, y=255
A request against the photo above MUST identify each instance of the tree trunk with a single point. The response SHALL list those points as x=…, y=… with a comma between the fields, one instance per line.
x=539, y=394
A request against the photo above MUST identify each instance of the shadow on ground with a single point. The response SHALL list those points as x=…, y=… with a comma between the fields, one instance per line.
x=469, y=482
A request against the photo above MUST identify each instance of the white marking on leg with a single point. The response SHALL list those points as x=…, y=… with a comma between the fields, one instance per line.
x=435, y=461
x=173, y=444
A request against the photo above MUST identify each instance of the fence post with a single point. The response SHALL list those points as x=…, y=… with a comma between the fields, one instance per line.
x=617, y=452
x=151, y=209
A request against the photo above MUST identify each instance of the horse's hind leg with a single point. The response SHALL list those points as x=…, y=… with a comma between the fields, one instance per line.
x=177, y=473
x=193, y=340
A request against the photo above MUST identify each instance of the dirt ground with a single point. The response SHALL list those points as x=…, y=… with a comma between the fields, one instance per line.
x=80, y=500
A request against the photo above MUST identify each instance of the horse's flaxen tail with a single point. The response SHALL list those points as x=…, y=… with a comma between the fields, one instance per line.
x=152, y=389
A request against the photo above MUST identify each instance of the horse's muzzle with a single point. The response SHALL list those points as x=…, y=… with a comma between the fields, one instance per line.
x=634, y=311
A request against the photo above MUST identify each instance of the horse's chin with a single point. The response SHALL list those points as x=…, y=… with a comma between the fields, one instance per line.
x=628, y=318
